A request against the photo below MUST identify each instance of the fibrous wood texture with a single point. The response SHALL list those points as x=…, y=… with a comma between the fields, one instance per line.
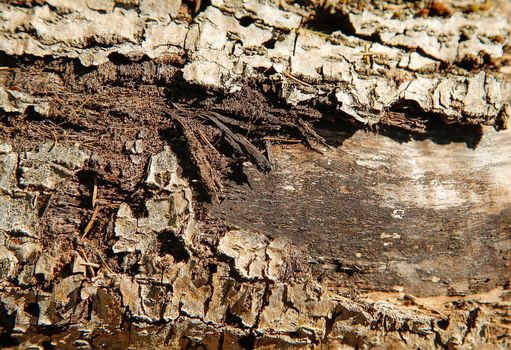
x=255, y=174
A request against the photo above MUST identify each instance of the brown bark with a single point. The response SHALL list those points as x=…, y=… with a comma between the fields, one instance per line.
x=254, y=175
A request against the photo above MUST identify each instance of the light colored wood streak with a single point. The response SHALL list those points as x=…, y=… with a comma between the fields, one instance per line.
x=431, y=216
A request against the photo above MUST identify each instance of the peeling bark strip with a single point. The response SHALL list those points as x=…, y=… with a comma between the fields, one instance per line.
x=231, y=40
x=396, y=240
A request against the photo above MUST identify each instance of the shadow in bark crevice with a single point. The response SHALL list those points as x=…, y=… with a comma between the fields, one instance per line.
x=438, y=132
x=172, y=245
x=326, y=21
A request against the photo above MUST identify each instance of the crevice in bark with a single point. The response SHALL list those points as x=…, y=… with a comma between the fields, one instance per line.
x=127, y=110
x=326, y=21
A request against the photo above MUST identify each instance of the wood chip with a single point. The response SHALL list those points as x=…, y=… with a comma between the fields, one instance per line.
x=94, y=191
x=77, y=266
x=90, y=264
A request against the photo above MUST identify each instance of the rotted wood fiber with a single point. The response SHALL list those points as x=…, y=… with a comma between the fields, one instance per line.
x=255, y=174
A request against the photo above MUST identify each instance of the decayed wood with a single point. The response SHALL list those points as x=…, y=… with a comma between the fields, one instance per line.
x=116, y=114
x=208, y=177
x=431, y=216
x=241, y=144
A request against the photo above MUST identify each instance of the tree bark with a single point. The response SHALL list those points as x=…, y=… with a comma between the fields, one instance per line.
x=255, y=174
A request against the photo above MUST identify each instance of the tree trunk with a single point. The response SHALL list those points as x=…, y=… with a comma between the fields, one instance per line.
x=255, y=174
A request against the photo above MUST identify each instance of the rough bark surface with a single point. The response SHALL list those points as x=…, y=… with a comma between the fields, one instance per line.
x=200, y=175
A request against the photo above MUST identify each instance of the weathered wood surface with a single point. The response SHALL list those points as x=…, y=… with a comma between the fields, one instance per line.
x=120, y=119
x=432, y=215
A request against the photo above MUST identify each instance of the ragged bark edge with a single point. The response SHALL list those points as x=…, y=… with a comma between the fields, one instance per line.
x=373, y=64
x=242, y=291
